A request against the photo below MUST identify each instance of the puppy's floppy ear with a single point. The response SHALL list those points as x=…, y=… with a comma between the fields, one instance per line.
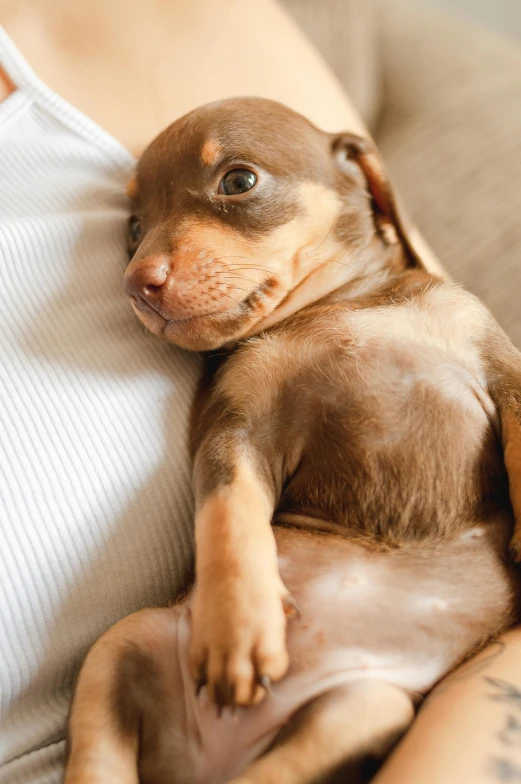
x=358, y=157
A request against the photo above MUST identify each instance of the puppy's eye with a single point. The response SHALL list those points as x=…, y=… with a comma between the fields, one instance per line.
x=237, y=181
x=134, y=229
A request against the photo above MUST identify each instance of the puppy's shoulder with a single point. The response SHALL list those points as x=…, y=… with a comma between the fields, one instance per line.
x=452, y=307
x=252, y=373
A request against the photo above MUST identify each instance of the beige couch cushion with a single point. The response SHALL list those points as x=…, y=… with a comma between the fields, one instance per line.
x=451, y=134
x=344, y=33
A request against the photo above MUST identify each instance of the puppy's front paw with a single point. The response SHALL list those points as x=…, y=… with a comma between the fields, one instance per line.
x=238, y=637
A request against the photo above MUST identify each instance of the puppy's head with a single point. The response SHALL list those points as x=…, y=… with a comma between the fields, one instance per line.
x=244, y=212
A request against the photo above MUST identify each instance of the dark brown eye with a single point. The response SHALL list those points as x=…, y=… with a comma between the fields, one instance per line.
x=134, y=229
x=237, y=181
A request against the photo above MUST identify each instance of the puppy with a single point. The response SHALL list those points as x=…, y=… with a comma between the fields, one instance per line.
x=356, y=447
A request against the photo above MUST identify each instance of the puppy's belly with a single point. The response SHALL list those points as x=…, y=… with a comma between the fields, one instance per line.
x=405, y=616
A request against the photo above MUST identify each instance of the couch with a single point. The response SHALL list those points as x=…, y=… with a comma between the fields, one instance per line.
x=443, y=100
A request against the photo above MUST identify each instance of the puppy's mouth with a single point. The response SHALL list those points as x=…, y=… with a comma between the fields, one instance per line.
x=142, y=306
x=171, y=326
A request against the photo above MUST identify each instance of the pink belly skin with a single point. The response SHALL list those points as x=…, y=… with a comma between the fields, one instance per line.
x=406, y=616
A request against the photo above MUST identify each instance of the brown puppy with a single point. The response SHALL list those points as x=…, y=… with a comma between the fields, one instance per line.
x=368, y=409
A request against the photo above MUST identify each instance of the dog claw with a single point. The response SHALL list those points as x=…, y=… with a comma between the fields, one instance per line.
x=219, y=699
x=231, y=696
x=290, y=607
x=224, y=696
x=265, y=682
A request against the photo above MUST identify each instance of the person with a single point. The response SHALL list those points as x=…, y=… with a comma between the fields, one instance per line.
x=96, y=504
x=469, y=727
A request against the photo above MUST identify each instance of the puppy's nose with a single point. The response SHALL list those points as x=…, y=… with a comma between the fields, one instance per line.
x=146, y=280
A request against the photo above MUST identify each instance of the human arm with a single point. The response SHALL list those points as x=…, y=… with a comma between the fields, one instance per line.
x=469, y=728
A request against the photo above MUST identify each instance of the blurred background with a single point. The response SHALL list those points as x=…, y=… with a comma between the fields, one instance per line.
x=504, y=16
x=438, y=83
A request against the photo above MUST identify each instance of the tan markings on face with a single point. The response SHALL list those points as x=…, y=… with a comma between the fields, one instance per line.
x=215, y=270
x=223, y=266
x=290, y=251
x=320, y=262
x=211, y=152
x=132, y=187
x=293, y=251
x=310, y=233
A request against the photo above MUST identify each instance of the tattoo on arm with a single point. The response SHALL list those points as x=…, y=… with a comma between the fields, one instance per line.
x=468, y=669
x=505, y=692
x=503, y=768
x=510, y=735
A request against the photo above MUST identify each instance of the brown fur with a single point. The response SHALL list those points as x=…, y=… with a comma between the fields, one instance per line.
x=354, y=395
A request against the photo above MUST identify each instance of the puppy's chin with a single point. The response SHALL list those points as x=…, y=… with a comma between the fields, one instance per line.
x=210, y=331
x=206, y=333
x=203, y=333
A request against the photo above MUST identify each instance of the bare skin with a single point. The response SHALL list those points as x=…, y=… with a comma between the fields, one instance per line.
x=93, y=54
x=469, y=730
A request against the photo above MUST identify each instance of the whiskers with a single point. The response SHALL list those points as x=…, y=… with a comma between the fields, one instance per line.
x=220, y=275
x=315, y=253
x=232, y=275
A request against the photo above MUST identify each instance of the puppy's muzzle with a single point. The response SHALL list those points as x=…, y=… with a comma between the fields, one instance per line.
x=149, y=282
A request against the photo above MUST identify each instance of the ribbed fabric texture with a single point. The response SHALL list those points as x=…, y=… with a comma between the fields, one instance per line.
x=95, y=500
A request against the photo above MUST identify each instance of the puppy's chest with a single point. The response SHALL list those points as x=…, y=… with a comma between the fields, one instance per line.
x=368, y=358
x=379, y=414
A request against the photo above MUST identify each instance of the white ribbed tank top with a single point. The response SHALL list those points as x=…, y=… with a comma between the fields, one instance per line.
x=95, y=500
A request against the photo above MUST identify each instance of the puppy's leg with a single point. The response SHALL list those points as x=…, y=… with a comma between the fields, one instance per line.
x=100, y=750
x=503, y=364
x=335, y=733
x=119, y=685
x=240, y=603
x=238, y=641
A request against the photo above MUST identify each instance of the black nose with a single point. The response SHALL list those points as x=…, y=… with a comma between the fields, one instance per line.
x=146, y=279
